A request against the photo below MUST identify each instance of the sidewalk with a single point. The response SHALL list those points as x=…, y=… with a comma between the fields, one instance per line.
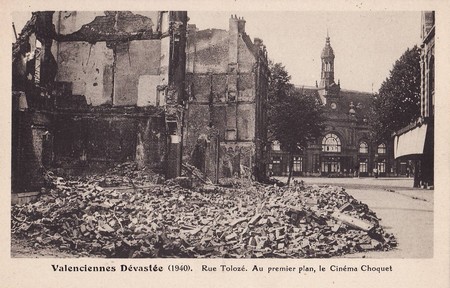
x=385, y=181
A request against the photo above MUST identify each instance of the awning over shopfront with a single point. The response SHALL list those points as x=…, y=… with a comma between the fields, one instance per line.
x=411, y=142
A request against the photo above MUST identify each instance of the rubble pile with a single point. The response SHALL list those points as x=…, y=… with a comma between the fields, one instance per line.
x=124, y=174
x=171, y=221
x=128, y=173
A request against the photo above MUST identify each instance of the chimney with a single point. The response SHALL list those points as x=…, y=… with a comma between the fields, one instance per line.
x=237, y=25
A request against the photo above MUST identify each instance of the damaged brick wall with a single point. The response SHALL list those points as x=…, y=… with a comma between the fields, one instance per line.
x=223, y=81
x=237, y=159
x=32, y=54
x=111, y=57
x=151, y=143
x=106, y=138
x=89, y=69
x=31, y=149
x=32, y=67
x=102, y=76
x=136, y=61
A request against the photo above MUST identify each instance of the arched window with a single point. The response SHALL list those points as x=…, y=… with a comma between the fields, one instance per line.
x=363, y=147
x=331, y=143
x=382, y=148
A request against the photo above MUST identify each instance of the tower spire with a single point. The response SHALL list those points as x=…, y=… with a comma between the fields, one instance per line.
x=330, y=88
x=327, y=78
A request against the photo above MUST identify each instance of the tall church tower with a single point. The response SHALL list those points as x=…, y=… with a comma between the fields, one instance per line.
x=327, y=76
x=329, y=87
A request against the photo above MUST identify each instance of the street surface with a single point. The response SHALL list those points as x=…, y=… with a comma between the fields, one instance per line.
x=404, y=211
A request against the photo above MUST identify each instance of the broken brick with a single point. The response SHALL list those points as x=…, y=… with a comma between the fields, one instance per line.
x=168, y=220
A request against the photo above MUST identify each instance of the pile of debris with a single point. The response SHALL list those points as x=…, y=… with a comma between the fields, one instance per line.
x=121, y=175
x=162, y=220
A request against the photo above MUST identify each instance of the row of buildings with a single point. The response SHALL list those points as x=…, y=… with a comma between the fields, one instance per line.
x=92, y=89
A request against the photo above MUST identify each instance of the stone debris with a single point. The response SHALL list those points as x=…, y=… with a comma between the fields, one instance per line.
x=136, y=217
x=193, y=173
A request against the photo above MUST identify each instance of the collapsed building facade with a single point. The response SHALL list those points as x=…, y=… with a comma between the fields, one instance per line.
x=346, y=146
x=92, y=89
x=227, y=82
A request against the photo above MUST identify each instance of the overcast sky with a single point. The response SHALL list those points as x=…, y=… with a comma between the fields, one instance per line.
x=366, y=44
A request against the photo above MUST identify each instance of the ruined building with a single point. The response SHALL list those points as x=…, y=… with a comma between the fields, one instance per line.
x=345, y=146
x=93, y=89
x=226, y=83
x=96, y=88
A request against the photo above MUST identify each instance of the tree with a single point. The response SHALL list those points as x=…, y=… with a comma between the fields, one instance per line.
x=397, y=103
x=279, y=89
x=279, y=83
x=294, y=118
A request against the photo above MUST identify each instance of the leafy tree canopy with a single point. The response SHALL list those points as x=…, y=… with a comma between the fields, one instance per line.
x=397, y=103
x=295, y=119
x=279, y=82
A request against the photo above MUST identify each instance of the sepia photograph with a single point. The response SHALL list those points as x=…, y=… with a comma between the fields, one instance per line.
x=225, y=144
x=210, y=134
